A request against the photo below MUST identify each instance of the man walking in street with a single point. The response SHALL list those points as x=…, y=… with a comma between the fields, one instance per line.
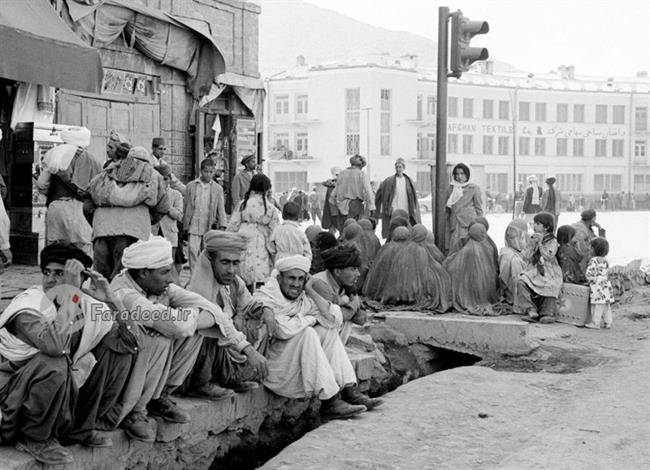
x=532, y=200
x=242, y=180
x=397, y=192
x=552, y=199
x=129, y=196
x=352, y=191
x=65, y=176
x=204, y=210
x=314, y=206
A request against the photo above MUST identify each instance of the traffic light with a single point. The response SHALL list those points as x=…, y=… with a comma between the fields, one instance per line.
x=462, y=31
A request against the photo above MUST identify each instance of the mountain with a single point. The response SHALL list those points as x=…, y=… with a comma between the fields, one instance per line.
x=292, y=28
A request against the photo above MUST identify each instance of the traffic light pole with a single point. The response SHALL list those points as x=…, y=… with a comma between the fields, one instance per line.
x=440, y=188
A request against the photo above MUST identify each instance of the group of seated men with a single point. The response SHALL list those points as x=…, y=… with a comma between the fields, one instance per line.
x=80, y=357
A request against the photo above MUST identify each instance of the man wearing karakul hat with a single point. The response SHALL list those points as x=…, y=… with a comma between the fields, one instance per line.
x=170, y=318
x=221, y=360
x=397, y=192
x=305, y=354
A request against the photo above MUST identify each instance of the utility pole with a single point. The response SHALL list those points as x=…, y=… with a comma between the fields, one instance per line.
x=439, y=191
x=462, y=57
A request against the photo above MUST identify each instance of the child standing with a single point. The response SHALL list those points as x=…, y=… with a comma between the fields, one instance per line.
x=602, y=294
x=287, y=239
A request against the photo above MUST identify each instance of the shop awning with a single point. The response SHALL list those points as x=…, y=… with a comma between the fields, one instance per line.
x=38, y=47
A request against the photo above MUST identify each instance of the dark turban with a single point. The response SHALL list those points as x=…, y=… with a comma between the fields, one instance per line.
x=341, y=257
x=588, y=214
x=62, y=252
x=325, y=241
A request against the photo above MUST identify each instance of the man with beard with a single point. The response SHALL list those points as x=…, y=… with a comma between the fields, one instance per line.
x=305, y=354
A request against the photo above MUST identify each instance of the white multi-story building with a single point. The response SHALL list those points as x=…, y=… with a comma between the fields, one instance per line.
x=592, y=134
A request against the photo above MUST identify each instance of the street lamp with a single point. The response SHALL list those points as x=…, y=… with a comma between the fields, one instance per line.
x=515, y=110
x=367, y=110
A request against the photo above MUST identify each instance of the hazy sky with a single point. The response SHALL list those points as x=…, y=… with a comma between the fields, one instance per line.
x=599, y=37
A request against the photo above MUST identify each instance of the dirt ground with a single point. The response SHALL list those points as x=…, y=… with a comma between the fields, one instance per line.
x=579, y=402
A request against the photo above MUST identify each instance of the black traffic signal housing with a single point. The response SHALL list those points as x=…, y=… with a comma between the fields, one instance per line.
x=462, y=32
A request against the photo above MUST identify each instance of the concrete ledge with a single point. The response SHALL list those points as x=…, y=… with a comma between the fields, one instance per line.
x=192, y=445
x=216, y=427
x=480, y=336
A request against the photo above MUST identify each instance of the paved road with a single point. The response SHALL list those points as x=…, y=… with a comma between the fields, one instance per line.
x=480, y=418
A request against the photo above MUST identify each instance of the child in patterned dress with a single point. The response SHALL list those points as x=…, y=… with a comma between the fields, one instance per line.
x=601, y=292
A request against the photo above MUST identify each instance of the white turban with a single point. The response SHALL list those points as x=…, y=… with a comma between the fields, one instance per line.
x=59, y=158
x=151, y=254
x=293, y=262
x=79, y=136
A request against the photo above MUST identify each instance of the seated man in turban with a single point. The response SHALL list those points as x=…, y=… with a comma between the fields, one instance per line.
x=169, y=317
x=63, y=360
x=305, y=354
x=222, y=357
x=337, y=284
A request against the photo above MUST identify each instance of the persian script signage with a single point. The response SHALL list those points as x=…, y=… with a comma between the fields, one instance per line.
x=548, y=130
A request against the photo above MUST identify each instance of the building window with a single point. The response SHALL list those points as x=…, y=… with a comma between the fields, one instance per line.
x=578, y=147
x=617, y=147
x=601, y=147
x=497, y=182
x=524, y=145
x=452, y=106
x=352, y=120
x=282, y=104
x=639, y=148
x=301, y=105
x=281, y=141
x=302, y=149
x=618, y=114
x=504, y=110
x=540, y=112
x=468, y=108
x=524, y=111
x=611, y=183
x=540, y=146
x=641, y=118
x=504, y=145
x=642, y=183
x=286, y=180
x=601, y=114
x=570, y=182
x=488, y=109
x=452, y=143
x=419, y=108
x=561, y=147
x=468, y=144
x=488, y=145
x=578, y=113
x=562, y=112
x=384, y=125
x=431, y=105
x=426, y=146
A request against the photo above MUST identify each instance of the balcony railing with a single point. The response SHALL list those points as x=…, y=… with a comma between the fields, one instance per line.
x=286, y=154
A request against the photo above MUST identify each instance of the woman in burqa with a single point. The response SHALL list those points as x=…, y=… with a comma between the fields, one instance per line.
x=511, y=258
x=379, y=276
x=474, y=276
x=417, y=278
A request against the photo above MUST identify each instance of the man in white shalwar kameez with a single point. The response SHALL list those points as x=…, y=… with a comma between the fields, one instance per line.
x=305, y=354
